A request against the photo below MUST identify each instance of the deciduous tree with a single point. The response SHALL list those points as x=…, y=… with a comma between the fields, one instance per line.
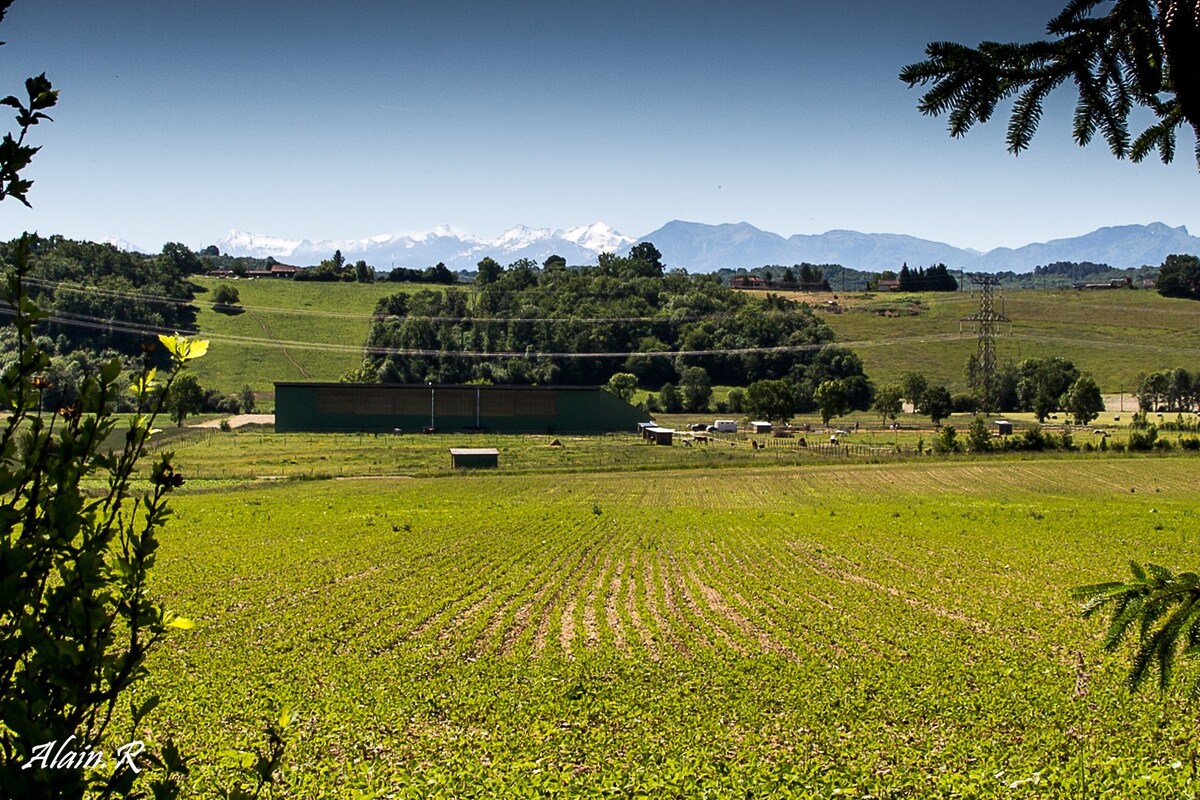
x=889, y=401
x=936, y=403
x=1083, y=400
x=771, y=399
x=622, y=385
x=1179, y=276
x=187, y=398
x=696, y=389
x=830, y=398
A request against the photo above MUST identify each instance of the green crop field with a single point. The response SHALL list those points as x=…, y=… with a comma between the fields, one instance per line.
x=871, y=631
x=1114, y=335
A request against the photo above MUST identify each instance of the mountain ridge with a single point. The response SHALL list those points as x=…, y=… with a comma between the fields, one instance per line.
x=704, y=247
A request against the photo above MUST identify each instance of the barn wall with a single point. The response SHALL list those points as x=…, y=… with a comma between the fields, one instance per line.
x=349, y=407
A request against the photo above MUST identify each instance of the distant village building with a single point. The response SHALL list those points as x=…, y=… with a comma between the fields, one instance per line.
x=747, y=282
x=1115, y=283
x=889, y=284
x=274, y=271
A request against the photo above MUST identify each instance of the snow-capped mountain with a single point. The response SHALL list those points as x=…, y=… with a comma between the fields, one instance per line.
x=124, y=245
x=701, y=247
x=457, y=250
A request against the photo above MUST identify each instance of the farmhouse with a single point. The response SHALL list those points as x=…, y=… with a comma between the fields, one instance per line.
x=1115, y=283
x=384, y=408
x=747, y=282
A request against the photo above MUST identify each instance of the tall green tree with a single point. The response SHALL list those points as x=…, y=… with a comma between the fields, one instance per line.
x=1043, y=382
x=187, y=398
x=914, y=385
x=1179, y=276
x=771, y=399
x=936, y=403
x=647, y=252
x=488, y=271
x=363, y=273
x=622, y=385
x=669, y=399
x=1083, y=400
x=831, y=400
x=696, y=389
x=889, y=401
x=979, y=438
x=1119, y=55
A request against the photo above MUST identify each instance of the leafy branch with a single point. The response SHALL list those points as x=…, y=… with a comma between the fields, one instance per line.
x=1162, y=607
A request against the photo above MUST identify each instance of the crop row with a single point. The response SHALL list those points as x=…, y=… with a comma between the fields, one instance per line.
x=890, y=631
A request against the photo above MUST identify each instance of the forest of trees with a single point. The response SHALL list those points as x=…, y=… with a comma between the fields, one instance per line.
x=637, y=318
x=935, y=279
x=99, y=296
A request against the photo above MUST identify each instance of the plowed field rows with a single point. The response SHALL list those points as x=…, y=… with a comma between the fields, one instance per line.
x=880, y=631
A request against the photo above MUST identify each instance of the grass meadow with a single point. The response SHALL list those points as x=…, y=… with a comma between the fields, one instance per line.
x=827, y=629
x=286, y=331
x=1114, y=335
x=289, y=331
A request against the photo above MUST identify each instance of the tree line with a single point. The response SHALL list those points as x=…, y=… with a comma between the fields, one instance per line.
x=553, y=324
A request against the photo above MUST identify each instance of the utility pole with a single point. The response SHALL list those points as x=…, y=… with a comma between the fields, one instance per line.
x=985, y=326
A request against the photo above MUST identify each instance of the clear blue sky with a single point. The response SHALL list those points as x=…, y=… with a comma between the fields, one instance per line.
x=182, y=119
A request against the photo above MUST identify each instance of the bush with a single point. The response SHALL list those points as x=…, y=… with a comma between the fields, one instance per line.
x=226, y=295
x=78, y=619
x=947, y=440
x=1189, y=443
x=1034, y=439
x=1143, y=439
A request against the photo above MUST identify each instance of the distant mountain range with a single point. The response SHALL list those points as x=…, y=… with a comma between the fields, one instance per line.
x=453, y=248
x=706, y=248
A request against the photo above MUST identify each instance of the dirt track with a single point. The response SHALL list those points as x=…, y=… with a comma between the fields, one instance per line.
x=238, y=420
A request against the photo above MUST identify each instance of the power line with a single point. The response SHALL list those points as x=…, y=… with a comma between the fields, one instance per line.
x=184, y=302
x=100, y=323
x=116, y=326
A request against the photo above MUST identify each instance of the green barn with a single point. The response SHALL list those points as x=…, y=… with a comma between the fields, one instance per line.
x=383, y=408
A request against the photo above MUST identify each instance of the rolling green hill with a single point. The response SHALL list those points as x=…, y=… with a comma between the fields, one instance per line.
x=1114, y=335
x=286, y=331
x=289, y=331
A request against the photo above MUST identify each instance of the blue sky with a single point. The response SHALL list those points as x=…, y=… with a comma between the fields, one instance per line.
x=181, y=119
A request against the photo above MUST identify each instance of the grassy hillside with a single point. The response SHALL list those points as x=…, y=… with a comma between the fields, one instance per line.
x=287, y=331
x=313, y=331
x=1114, y=335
